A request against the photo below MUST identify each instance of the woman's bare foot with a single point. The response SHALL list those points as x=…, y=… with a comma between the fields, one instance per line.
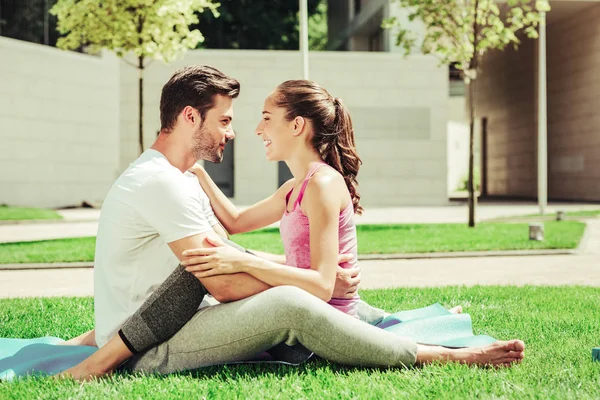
x=498, y=354
x=456, y=310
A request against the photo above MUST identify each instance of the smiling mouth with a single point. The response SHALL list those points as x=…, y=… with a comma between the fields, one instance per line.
x=267, y=142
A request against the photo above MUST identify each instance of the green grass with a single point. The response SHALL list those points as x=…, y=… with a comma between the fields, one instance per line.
x=426, y=238
x=559, y=325
x=584, y=213
x=372, y=239
x=19, y=213
x=61, y=250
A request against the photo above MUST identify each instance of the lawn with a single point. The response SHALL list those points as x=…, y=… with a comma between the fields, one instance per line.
x=372, y=239
x=583, y=213
x=559, y=325
x=19, y=213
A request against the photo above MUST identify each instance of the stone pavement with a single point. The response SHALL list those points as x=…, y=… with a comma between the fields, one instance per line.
x=582, y=268
x=83, y=222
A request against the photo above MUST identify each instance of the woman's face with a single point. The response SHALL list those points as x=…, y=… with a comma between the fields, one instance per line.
x=275, y=131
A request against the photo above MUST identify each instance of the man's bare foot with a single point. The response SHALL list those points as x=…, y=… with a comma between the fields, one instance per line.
x=456, y=310
x=498, y=354
x=82, y=372
x=102, y=362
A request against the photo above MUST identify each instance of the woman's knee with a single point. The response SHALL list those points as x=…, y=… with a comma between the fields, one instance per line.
x=282, y=301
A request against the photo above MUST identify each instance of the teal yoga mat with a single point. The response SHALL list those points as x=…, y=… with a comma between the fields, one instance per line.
x=429, y=325
x=434, y=325
x=21, y=357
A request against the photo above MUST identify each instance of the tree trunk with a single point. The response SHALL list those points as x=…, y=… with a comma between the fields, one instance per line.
x=471, y=185
x=141, y=103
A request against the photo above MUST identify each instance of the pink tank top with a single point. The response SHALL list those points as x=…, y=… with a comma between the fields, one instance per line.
x=295, y=234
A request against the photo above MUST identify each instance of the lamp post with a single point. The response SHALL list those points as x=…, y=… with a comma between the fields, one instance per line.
x=304, y=37
x=542, y=119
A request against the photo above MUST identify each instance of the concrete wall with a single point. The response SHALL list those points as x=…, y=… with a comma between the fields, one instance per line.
x=574, y=106
x=506, y=95
x=59, y=125
x=398, y=105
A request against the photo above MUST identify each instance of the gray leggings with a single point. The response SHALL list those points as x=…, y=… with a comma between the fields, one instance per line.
x=167, y=309
x=239, y=330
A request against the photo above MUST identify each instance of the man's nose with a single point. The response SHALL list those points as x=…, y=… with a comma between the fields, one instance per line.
x=230, y=134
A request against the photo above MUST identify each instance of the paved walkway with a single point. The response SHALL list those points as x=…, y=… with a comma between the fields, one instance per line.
x=580, y=269
x=84, y=222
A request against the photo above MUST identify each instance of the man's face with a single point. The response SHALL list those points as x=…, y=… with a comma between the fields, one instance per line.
x=214, y=132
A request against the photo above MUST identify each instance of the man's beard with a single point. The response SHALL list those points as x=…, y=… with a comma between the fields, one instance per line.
x=206, y=147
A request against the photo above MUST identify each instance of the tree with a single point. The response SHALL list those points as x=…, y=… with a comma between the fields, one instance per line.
x=154, y=29
x=263, y=25
x=461, y=32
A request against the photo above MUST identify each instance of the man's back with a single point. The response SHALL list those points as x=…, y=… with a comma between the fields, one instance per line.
x=150, y=205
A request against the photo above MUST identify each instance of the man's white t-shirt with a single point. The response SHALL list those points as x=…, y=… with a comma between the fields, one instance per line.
x=150, y=205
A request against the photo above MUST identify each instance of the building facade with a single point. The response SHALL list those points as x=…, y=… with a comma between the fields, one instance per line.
x=68, y=121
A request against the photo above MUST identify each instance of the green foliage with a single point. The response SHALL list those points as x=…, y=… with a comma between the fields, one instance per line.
x=458, y=31
x=464, y=182
x=157, y=29
x=317, y=27
x=263, y=25
x=28, y=20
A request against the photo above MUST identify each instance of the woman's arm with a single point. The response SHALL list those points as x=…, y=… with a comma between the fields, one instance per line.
x=276, y=258
x=322, y=209
x=259, y=215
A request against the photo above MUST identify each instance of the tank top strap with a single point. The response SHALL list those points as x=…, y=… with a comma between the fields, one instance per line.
x=310, y=174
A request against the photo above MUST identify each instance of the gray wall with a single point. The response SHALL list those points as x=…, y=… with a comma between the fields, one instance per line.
x=507, y=95
x=398, y=105
x=59, y=125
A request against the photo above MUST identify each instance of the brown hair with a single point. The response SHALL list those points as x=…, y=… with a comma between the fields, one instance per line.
x=333, y=135
x=194, y=86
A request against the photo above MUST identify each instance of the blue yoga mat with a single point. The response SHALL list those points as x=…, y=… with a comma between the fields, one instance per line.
x=22, y=357
x=429, y=325
x=434, y=325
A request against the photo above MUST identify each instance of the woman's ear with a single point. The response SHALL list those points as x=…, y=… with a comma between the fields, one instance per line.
x=298, y=125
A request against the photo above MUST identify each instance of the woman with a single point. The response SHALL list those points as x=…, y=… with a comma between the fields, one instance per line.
x=303, y=125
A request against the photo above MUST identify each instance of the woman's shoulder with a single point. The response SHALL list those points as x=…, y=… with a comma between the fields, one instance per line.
x=327, y=182
x=327, y=176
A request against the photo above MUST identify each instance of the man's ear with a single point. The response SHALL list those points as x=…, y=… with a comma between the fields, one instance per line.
x=190, y=114
x=298, y=125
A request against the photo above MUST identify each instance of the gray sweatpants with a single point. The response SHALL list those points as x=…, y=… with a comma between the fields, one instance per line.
x=239, y=330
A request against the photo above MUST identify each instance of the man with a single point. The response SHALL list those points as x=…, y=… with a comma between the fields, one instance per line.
x=156, y=210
